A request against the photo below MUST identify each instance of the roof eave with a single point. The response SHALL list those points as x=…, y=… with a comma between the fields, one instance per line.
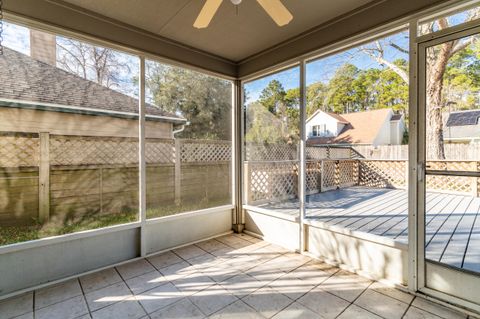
x=85, y=111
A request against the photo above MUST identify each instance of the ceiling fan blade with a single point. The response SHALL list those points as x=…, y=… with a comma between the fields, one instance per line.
x=208, y=11
x=277, y=11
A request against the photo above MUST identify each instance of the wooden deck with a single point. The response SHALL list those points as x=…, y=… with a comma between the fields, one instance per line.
x=452, y=221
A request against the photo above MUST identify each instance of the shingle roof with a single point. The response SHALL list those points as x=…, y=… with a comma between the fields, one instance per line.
x=26, y=79
x=362, y=128
x=463, y=118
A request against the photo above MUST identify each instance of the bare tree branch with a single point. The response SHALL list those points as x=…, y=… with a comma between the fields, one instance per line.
x=377, y=54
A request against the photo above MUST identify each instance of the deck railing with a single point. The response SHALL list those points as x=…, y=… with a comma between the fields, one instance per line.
x=278, y=180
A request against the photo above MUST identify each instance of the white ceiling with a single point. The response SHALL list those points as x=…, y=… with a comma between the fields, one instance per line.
x=230, y=35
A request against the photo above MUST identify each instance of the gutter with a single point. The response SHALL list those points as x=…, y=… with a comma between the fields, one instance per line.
x=181, y=129
x=85, y=111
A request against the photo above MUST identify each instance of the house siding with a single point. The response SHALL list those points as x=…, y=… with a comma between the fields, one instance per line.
x=34, y=121
x=333, y=127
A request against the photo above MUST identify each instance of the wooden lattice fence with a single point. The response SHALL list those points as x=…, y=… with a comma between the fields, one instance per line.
x=45, y=176
x=274, y=181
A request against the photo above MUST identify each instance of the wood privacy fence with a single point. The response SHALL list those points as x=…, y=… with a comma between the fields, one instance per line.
x=273, y=181
x=462, y=152
x=44, y=176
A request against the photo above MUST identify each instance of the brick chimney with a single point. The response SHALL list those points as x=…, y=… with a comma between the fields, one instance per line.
x=43, y=47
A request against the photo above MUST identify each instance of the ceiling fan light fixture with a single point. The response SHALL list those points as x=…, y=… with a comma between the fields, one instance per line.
x=236, y=2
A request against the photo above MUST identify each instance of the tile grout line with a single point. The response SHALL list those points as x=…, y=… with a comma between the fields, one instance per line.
x=84, y=297
x=355, y=299
x=33, y=303
x=133, y=295
x=409, y=306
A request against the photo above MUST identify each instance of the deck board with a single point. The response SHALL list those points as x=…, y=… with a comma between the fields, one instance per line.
x=472, y=255
x=452, y=220
x=456, y=248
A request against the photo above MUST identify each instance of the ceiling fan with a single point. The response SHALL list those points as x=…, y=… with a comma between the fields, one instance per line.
x=275, y=9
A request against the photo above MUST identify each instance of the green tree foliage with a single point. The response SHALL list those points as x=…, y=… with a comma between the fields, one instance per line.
x=275, y=117
x=205, y=101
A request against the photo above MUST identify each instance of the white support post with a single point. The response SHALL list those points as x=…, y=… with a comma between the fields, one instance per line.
x=413, y=160
x=237, y=157
x=142, y=196
x=44, y=178
x=302, y=167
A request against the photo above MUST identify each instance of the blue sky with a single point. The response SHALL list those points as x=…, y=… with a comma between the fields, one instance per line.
x=323, y=69
x=17, y=37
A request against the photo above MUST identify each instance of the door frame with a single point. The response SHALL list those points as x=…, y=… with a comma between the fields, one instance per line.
x=419, y=280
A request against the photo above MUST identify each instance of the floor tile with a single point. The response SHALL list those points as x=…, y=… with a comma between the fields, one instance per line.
x=220, y=274
x=287, y=262
x=146, y=282
x=193, y=283
x=417, y=313
x=189, y=252
x=381, y=305
x=159, y=297
x=392, y=292
x=345, y=285
x=106, y=296
x=128, y=309
x=437, y=309
x=323, y=303
x=133, y=269
x=212, y=245
x=267, y=301
x=182, y=309
x=68, y=309
x=213, y=299
x=205, y=261
x=164, y=260
x=241, y=285
x=233, y=241
x=53, y=294
x=16, y=306
x=265, y=273
x=99, y=280
x=178, y=270
x=291, y=286
x=355, y=312
x=311, y=274
x=29, y=316
x=296, y=311
x=237, y=310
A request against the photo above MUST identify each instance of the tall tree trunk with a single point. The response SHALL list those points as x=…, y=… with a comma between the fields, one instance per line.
x=437, y=60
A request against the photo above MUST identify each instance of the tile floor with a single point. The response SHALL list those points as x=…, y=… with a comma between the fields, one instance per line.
x=235, y=276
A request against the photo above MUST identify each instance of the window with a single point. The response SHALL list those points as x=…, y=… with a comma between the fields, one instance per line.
x=271, y=141
x=189, y=156
x=68, y=136
x=361, y=91
x=319, y=130
x=449, y=19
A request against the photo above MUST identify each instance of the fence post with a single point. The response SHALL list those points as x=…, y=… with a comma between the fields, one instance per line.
x=322, y=175
x=178, y=171
x=44, y=178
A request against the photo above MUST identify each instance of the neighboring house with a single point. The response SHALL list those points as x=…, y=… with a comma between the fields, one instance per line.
x=461, y=127
x=377, y=127
x=36, y=96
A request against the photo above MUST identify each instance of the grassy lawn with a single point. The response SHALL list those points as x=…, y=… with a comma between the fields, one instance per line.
x=15, y=234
